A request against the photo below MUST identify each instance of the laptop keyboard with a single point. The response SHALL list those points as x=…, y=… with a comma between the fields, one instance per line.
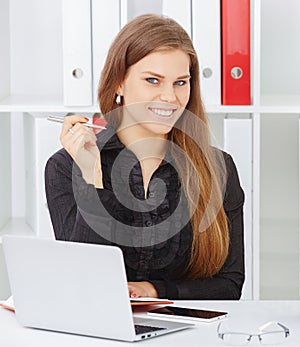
x=142, y=329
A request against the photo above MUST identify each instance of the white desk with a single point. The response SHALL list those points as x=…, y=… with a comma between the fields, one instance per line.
x=250, y=314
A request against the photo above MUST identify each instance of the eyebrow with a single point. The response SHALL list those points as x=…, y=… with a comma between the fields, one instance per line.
x=161, y=76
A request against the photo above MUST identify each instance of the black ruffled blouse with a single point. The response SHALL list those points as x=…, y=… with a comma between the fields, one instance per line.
x=154, y=233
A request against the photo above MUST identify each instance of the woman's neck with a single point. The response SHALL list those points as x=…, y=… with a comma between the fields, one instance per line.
x=149, y=149
x=144, y=144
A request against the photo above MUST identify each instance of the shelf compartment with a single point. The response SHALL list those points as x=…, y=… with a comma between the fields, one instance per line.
x=32, y=61
x=280, y=53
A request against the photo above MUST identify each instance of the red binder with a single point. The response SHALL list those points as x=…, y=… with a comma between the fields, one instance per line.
x=236, y=67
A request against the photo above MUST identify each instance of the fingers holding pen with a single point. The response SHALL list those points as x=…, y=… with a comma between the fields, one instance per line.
x=75, y=136
x=79, y=131
x=80, y=142
x=70, y=122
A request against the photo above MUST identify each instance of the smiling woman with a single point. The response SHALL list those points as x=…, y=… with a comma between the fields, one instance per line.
x=151, y=183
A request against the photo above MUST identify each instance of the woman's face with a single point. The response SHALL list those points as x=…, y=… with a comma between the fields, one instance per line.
x=156, y=91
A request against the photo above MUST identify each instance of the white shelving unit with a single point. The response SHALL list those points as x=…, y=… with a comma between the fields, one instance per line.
x=5, y=169
x=32, y=83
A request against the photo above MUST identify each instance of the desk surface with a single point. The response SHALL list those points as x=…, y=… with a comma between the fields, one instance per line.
x=242, y=314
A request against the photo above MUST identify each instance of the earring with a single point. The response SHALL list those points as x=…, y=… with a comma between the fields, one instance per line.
x=118, y=99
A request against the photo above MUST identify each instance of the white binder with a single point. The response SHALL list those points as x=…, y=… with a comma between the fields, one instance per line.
x=76, y=19
x=5, y=170
x=105, y=26
x=42, y=140
x=207, y=42
x=238, y=143
x=179, y=10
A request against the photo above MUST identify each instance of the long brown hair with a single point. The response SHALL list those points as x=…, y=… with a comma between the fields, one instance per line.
x=202, y=170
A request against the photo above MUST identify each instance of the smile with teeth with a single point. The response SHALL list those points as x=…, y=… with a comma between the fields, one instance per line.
x=163, y=112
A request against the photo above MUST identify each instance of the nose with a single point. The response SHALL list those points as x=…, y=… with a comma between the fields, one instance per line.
x=168, y=93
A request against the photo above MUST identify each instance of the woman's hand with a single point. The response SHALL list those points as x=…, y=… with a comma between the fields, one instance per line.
x=80, y=142
x=142, y=289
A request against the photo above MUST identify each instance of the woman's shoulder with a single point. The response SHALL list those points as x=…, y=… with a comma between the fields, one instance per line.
x=225, y=161
x=59, y=162
x=233, y=192
x=223, y=154
x=61, y=156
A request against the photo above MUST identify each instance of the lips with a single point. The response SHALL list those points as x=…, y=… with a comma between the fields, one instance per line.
x=163, y=112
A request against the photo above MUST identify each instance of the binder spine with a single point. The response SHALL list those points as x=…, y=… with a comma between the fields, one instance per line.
x=37, y=152
x=206, y=37
x=77, y=52
x=105, y=26
x=179, y=10
x=236, y=68
x=238, y=142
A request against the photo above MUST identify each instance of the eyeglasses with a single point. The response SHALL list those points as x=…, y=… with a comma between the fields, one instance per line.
x=271, y=333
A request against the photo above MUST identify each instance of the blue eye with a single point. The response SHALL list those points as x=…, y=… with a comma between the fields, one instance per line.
x=152, y=80
x=180, y=83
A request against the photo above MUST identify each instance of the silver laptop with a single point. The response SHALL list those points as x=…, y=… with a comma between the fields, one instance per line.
x=76, y=288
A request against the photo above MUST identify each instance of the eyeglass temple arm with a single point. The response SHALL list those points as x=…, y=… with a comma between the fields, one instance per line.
x=286, y=329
